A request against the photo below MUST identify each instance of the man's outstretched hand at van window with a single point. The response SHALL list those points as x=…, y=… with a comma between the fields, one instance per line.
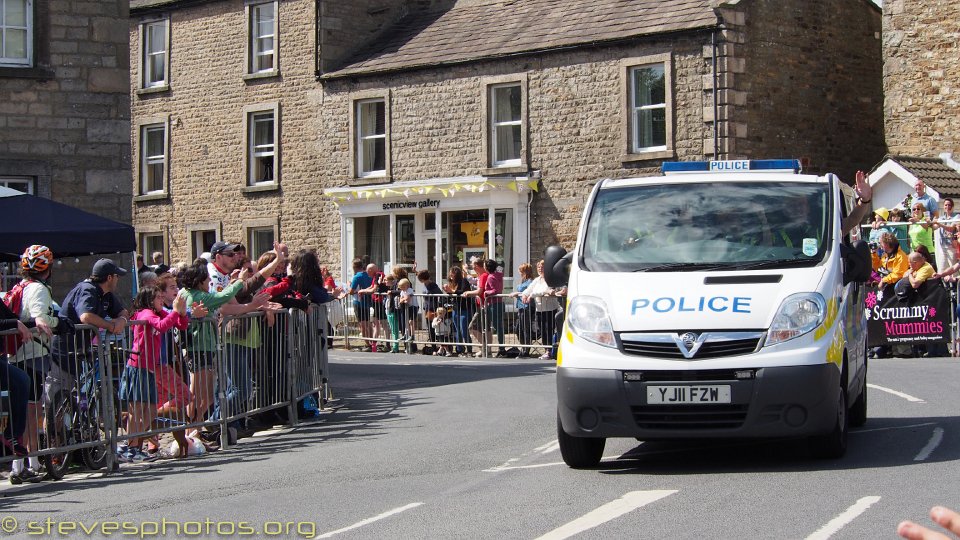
x=863, y=187
x=946, y=518
x=859, y=212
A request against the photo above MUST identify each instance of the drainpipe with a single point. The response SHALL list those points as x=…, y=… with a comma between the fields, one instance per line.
x=318, y=37
x=716, y=91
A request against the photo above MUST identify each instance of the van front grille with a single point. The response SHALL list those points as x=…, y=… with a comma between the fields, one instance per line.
x=725, y=416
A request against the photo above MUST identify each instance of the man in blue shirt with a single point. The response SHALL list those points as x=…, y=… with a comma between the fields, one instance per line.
x=90, y=302
x=362, y=301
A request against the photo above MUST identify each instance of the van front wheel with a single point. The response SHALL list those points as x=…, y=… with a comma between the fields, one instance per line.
x=833, y=445
x=579, y=452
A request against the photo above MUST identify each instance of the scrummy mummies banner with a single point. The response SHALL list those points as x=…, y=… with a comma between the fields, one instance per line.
x=924, y=318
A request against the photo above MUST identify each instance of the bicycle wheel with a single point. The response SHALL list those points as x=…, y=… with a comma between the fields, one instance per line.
x=58, y=416
x=95, y=429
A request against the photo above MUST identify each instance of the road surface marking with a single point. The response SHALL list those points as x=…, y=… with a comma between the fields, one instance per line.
x=508, y=467
x=907, y=397
x=932, y=444
x=843, y=519
x=548, y=445
x=612, y=510
x=552, y=447
x=908, y=426
x=371, y=520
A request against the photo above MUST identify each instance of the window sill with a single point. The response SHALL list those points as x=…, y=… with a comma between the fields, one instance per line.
x=261, y=75
x=370, y=181
x=11, y=72
x=153, y=90
x=502, y=171
x=258, y=188
x=647, y=156
x=151, y=197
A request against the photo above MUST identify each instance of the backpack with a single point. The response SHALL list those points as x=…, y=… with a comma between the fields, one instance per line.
x=14, y=302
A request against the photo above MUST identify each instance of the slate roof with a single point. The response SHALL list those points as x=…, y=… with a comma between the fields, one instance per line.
x=934, y=173
x=482, y=29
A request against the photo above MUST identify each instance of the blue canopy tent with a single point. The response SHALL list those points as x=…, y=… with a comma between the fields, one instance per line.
x=67, y=231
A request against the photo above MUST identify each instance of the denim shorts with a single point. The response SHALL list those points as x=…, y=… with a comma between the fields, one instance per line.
x=138, y=385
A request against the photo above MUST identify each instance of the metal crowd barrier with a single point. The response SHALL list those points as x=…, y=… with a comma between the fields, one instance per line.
x=91, y=399
x=510, y=331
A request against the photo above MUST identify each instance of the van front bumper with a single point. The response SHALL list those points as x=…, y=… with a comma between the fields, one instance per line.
x=776, y=402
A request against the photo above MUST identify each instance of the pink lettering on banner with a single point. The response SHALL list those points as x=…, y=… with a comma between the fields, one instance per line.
x=893, y=328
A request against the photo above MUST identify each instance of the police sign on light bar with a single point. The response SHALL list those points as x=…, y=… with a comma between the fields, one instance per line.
x=734, y=165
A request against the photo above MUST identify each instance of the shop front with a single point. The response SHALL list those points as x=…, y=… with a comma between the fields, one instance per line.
x=435, y=224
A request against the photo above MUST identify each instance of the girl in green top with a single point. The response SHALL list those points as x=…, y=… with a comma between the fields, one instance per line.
x=202, y=335
x=921, y=229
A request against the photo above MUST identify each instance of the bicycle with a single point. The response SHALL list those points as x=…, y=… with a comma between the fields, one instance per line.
x=73, y=416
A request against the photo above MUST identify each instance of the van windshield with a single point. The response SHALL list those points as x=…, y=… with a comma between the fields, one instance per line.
x=709, y=226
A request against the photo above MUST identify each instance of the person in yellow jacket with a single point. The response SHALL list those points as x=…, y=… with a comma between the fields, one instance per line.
x=893, y=263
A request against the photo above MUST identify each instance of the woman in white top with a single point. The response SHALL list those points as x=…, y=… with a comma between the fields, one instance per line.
x=546, y=307
x=34, y=355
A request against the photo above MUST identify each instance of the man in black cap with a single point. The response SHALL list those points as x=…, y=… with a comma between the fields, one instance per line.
x=90, y=302
x=225, y=260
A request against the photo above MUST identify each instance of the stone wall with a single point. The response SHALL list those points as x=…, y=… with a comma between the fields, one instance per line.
x=65, y=122
x=205, y=105
x=574, y=124
x=921, y=76
x=804, y=80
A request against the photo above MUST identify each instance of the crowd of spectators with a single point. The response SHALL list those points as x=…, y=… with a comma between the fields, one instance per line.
x=912, y=252
x=465, y=310
x=169, y=370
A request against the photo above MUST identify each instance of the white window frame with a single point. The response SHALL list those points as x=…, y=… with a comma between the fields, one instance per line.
x=196, y=238
x=254, y=38
x=636, y=110
x=147, y=160
x=148, y=57
x=6, y=181
x=495, y=125
x=27, y=61
x=148, y=252
x=252, y=249
x=629, y=132
x=252, y=153
x=362, y=137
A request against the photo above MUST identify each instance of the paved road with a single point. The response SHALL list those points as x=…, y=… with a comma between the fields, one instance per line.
x=424, y=448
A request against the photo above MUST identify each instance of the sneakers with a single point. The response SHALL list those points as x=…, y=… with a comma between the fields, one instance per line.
x=366, y=349
x=136, y=455
x=545, y=356
x=26, y=475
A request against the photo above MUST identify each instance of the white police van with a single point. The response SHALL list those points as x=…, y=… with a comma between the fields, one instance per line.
x=719, y=300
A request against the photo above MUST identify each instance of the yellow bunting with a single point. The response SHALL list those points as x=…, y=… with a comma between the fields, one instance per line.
x=512, y=185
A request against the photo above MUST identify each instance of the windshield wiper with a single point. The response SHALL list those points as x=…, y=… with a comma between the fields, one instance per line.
x=775, y=263
x=684, y=267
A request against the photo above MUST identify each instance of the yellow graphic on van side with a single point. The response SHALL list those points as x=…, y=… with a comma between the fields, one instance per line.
x=835, y=350
x=833, y=308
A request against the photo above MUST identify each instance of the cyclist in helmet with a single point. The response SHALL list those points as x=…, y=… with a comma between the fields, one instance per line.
x=33, y=357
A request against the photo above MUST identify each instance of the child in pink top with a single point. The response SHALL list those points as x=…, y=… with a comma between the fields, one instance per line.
x=138, y=386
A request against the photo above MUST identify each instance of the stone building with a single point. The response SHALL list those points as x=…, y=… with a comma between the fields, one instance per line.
x=430, y=131
x=65, y=108
x=921, y=82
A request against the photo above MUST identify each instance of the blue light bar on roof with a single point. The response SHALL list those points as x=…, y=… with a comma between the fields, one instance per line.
x=735, y=165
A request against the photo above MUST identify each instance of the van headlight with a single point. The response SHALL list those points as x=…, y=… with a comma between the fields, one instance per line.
x=798, y=314
x=588, y=318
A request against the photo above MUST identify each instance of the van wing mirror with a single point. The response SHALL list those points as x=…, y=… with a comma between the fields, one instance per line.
x=556, y=266
x=857, y=265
